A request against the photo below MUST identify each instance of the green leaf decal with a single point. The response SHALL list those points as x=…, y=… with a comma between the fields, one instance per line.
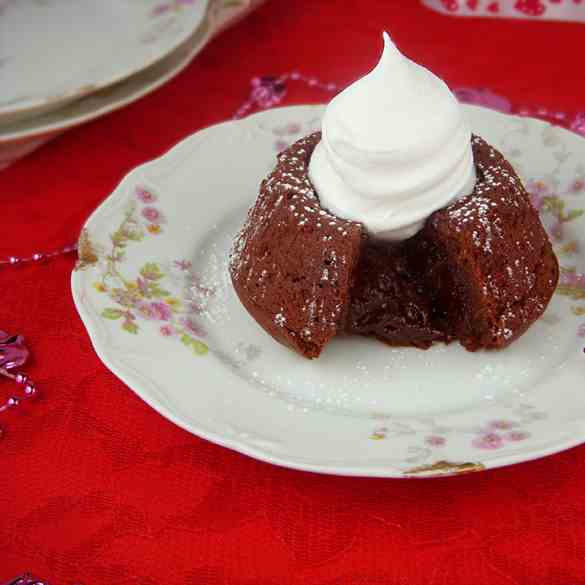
x=199, y=347
x=130, y=327
x=112, y=313
x=574, y=214
x=151, y=271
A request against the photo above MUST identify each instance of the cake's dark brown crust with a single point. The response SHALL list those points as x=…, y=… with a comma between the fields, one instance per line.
x=494, y=253
x=293, y=263
x=482, y=270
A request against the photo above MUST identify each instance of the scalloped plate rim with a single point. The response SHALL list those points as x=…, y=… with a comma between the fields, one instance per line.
x=38, y=106
x=99, y=343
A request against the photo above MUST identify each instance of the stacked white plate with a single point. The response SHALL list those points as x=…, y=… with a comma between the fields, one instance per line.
x=65, y=62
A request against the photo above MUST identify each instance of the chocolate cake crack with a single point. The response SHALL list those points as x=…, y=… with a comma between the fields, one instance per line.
x=481, y=270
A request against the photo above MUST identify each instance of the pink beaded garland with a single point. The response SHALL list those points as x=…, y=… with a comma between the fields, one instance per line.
x=26, y=579
x=37, y=257
x=269, y=91
x=13, y=354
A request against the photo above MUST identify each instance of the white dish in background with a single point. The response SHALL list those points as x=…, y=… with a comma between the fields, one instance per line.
x=13, y=151
x=54, y=52
x=20, y=138
x=162, y=315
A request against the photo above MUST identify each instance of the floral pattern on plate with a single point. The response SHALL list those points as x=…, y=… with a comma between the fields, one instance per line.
x=494, y=434
x=172, y=6
x=166, y=17
x=144, y=298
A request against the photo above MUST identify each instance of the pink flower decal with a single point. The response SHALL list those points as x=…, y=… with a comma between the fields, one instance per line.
x=145, y=310
x=167, y=330
x=191, y=326
x=160, y=9
x=172, y=5
x=578, y=186
x=435, y=441
x=573, y=279
x=142, y=286
x=501, y=425
x=491, y=439
x=517, y=435
x=156, y=311
x=183, y=265
x=581, y=330
x=488, y=441
x=537, y=190
x=149, y=274
x=123, y=297
x=161, y=311
x=556, y=231
x=145, y=195
x=152, y=214
x=537, y=201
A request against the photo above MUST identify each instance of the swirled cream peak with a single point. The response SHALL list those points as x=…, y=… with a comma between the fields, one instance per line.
x=395, y=148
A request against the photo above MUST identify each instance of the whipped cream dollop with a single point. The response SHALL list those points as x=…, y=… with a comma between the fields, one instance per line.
x=395, y=148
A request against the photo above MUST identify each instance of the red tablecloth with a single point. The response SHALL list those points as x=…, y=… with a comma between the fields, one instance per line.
x=97, y=488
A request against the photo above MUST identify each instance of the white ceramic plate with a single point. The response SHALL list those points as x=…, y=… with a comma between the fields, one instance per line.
x=153, y=291
x=56, y=51
x=20, y=138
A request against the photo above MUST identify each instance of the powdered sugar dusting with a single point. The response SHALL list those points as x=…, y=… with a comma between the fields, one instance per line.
x=499, y=194
x=268, y=260
x=287, y=220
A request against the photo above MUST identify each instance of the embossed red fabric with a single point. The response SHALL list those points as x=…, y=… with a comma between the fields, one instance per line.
x=97, y=488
